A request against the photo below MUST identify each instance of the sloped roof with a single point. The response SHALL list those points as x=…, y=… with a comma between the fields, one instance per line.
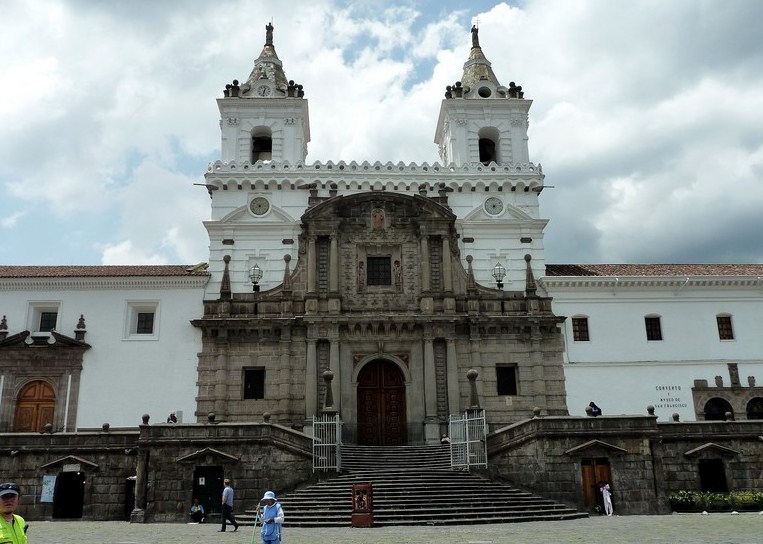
x=105, y=271
x=654, y=270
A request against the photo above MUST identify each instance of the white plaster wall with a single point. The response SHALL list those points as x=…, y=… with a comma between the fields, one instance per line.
x=123, y=378
x=621, y=371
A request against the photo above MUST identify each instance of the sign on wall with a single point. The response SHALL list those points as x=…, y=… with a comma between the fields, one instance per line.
x=48, y=487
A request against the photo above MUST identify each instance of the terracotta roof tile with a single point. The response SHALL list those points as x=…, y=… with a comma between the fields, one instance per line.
x=654, y=270
x=101, y=271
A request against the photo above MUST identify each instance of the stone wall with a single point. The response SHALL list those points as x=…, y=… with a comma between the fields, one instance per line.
x=647, y=460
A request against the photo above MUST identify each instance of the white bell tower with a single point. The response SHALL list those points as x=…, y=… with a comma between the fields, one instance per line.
x=482, y=121
x=266, y=118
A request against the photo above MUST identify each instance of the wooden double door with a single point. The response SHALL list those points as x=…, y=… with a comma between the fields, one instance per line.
x=381, y=405
x=35, y=407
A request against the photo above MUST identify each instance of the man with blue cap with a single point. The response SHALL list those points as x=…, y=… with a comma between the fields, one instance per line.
x=12, y=526
x=272, y=519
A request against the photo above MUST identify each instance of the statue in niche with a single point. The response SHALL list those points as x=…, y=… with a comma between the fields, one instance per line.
x=397, y=273
x=361, y=275
x=377, y=219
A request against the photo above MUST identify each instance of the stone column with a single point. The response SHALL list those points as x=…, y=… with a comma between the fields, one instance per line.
x=311, y=380
x=431, y=425
x=426, y=271
x=447, y=272
x=285, y=391
x=336, y=384
x=312, y=271
x=454, y=394
x=334, y=265
x=221, y=378
x=138, y=514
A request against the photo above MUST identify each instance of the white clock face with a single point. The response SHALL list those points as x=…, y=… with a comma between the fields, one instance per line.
x=259, y=205
x=493, y=206
x=263, y=90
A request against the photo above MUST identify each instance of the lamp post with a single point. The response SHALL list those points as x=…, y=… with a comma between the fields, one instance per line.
x=499, y=272
x=255, y=275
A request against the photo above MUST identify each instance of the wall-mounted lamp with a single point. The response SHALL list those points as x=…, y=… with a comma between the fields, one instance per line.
x=499, y=272
x=255, y=275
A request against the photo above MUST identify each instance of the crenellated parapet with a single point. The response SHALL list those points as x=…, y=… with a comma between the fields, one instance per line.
x=387, y=176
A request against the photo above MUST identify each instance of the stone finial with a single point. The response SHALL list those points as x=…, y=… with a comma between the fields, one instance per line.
x=650, y=410
x=145, y=418
x=328, y=406
x=729, y=416
x=676, y=417
x=266, y=417
x=225, y=290
x=3, y=328
x=474, y=401
x=211, y=417
x=48, y=428
x=536, y=411
x=286, y=273
x=79, y=332
x=751, y=381
x=105, y=427
x=530, y=287
x=589, y=411
x=470, y=283
x=719, y=381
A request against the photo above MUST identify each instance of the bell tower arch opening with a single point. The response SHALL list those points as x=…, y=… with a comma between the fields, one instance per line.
x=262, y=144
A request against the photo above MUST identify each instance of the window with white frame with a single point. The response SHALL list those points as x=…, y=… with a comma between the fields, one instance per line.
x=142, y=320
x=44, y=316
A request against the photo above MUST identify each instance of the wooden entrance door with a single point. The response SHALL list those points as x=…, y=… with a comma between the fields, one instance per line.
x=381, y=405
x=595, y=470
x=36, y=406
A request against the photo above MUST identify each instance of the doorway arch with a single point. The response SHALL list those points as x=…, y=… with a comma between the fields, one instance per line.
x=382, y=417
x=35, y=407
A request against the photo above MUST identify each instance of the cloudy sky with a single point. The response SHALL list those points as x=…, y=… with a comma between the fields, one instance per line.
x=647, y=115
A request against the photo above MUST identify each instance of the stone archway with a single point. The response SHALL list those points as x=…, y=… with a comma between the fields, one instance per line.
x=381, y=405
x=35, y=407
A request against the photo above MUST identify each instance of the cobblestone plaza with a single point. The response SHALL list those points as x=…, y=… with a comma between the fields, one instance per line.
x=675, y=529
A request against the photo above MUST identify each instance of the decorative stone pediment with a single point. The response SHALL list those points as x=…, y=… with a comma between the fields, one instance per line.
x=28, y=339
x=598, y=444
x=710, y=447
x=207, y=453
x=71, y=460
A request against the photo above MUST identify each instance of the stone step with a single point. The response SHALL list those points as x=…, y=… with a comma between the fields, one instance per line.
x=412, y=485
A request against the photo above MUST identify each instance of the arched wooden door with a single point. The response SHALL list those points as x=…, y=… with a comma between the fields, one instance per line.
x=35, y=407
x=381, y=405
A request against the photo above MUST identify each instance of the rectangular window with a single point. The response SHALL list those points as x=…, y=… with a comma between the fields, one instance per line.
x=580, y=329
x=142, y=320
x=653, y=328
x=145, y=323
x=506, y=379
x=254, y=383
x=48, y=321
x=725, y=332
x=378, y=271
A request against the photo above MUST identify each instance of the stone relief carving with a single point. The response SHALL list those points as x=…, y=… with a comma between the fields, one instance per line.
x=377, y=219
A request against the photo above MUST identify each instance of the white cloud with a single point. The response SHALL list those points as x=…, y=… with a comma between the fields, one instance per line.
x=646, y=115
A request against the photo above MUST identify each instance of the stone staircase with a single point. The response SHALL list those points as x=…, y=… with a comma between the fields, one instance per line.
x=412, y=485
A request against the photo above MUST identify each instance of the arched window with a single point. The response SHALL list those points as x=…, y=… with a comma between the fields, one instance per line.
x=716, y=408
x=262, y=144
x=488, y=145
x=755, y=408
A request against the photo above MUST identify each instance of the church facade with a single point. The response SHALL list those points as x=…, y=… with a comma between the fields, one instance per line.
x=391, y=295
x=377, y=273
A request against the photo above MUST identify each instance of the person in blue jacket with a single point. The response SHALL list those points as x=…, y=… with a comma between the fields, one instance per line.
x=272, y=519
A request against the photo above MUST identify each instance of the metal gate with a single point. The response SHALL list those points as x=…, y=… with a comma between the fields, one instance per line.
x=327, y=442
x=468, y=447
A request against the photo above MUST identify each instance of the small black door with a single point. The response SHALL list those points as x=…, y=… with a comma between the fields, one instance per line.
x=208, y=488
x=69, y=495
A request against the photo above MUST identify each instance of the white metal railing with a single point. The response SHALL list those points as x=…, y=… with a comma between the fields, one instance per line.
x=327, y=442
x=468, y=447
